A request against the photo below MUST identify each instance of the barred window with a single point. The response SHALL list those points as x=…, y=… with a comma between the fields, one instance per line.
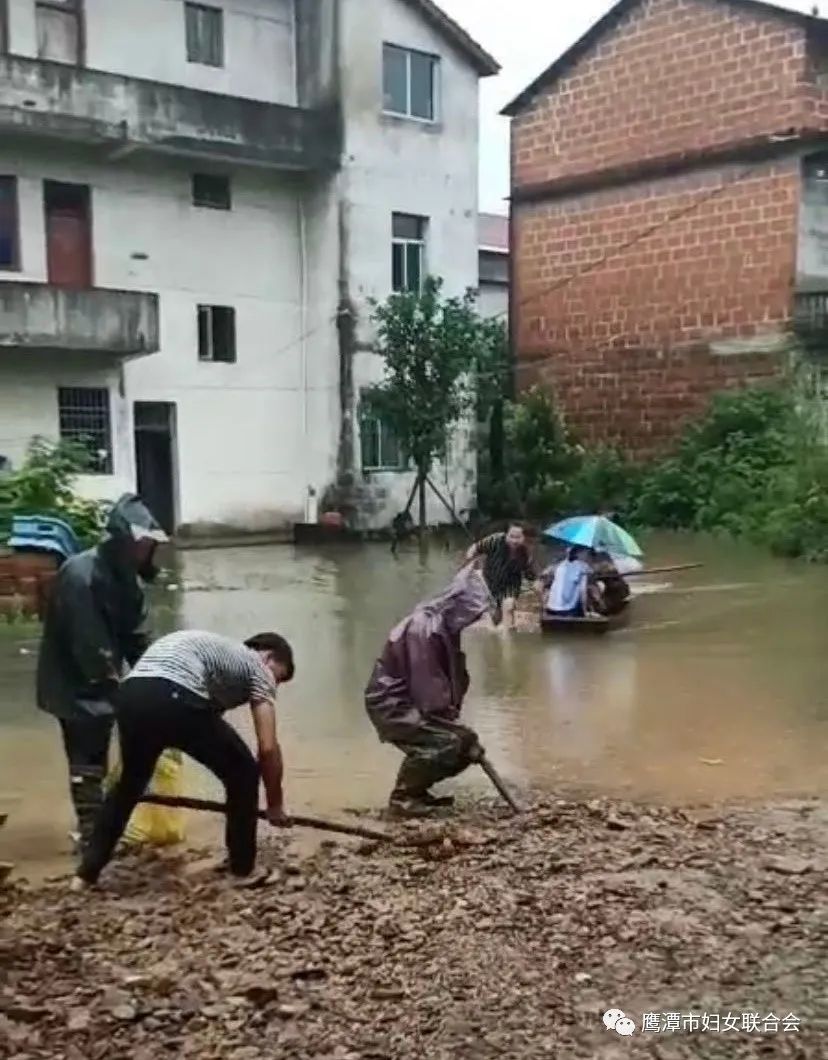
x=84, y=419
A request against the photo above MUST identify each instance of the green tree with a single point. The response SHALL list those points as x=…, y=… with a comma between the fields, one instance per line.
x=430, y=346
x=545, y=473
x=493, y=381
x=539, y=460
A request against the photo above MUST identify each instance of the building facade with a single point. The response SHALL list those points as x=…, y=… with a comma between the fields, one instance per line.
x=197, y=204
x=669, y=211
x=493, y=266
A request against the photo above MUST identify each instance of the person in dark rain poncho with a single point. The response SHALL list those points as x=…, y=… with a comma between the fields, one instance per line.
x=93, y=631
x=417, y=690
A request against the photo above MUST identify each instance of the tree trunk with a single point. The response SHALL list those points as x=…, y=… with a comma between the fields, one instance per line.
x=496, y=443
x=421, y=490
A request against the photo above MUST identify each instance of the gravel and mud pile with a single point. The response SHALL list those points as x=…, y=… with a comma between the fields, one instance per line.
x=509, y=938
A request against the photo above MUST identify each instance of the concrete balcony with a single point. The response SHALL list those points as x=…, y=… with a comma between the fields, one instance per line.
x=36, y=316
x=122, y=115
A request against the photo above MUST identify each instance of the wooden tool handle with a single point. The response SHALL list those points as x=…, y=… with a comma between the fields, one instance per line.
x=184, y=803
x=662, y=570
x=497, y=780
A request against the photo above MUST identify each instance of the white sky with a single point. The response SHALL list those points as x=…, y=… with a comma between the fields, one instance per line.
x=525, y=36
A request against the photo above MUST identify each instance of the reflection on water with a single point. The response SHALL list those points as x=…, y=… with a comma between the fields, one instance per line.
x=720, y=665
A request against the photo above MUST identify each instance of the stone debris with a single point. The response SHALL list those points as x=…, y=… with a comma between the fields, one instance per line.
x=487, y=937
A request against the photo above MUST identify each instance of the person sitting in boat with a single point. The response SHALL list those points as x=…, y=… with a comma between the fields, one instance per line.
x=626, y=564
x=614, y=590
x=570, y=595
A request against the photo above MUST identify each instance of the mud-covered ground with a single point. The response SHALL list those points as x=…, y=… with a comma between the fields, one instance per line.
x=510, y=939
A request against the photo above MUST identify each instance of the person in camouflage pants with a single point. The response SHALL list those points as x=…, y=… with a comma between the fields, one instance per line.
x=417, y=688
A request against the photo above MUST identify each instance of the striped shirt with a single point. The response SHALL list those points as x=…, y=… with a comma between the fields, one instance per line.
x=216, y=669
x=504, y=568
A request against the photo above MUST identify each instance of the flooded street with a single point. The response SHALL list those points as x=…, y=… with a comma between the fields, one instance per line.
x=716, y=690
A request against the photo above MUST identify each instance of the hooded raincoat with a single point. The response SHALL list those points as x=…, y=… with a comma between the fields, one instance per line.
x=94, y=624
x=421, y=674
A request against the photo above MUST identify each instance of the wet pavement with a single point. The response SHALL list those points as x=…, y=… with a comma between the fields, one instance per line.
x=714, y=692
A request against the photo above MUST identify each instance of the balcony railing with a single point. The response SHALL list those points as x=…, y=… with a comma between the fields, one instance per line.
x=37, y=316
x=127, y=114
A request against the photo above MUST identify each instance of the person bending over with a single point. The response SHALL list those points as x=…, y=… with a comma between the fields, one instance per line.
x=176, y=696
x=417, y=688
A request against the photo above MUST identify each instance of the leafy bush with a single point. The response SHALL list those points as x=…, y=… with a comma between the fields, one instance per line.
x=604, y=481
x=546, y=473
x=756, y=466
x=722, y=468
x=44, y=485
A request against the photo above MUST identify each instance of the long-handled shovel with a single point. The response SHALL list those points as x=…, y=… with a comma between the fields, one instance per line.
x=6, y=867
x=184, y=803
x=478, y=755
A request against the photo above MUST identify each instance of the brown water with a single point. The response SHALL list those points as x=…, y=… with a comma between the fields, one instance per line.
x=716, y=690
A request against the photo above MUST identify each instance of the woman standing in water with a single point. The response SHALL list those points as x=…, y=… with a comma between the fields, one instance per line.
x=507, y=563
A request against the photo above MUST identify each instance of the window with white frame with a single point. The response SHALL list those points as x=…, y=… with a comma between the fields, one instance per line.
x=408, y=252
x=205, y=34
x=410, y=82
x=84, y=419
x=380, y=447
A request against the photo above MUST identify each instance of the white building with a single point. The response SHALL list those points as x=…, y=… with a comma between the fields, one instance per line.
x=197, y=203
x=493, y=269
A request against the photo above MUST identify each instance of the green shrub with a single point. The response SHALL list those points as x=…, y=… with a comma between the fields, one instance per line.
x=546, y=474
x=755, y=466
x=603, y=481
x=721, y=468
x=44, y=485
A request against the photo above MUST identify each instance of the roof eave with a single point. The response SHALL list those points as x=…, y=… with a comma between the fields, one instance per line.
x=484, y=64
x=547, y=78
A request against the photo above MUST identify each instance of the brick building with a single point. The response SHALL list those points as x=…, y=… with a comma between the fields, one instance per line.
x=669, y=210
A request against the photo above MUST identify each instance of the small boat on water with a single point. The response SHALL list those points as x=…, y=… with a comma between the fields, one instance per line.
x=595, y=625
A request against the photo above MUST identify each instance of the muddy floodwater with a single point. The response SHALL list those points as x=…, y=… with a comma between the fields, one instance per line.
x=716, y=691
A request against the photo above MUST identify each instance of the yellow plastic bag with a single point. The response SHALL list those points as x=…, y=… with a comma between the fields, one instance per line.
x=157, y=826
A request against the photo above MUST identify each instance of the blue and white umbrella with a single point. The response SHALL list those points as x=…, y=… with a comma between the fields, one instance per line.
x=595, y=531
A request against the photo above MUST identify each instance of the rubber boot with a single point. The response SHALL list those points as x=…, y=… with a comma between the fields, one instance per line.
x=87, y=798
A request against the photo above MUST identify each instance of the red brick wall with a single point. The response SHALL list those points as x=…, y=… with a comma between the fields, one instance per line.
x=674, y=75
x=625, y=346
x=25, y=581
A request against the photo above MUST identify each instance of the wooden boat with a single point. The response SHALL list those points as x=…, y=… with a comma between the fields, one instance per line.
x=595, y=625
